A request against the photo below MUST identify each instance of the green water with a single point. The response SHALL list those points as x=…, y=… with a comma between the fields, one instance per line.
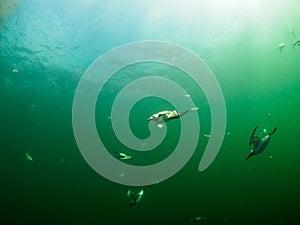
x=45, y=48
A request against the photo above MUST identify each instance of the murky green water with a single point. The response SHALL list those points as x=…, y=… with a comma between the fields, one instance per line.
x=45, y=48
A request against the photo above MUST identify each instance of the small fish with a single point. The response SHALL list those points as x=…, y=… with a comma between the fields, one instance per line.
x=281, y=46
x=206, y=135
x=194, y=109
x=292, y=32
x=28, y=157
x=296, y=43
x=198, y=219
x=135, y=197
x=122, y=156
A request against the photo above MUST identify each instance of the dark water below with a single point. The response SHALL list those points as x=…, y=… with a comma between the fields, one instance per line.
x=45, y=48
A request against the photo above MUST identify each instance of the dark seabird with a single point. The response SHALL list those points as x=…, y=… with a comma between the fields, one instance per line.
x=259, y=143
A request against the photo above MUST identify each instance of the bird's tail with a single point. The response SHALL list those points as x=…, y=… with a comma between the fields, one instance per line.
x=273, y=131
x=248, y=157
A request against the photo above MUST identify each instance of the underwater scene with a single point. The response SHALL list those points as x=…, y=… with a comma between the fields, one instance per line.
x=140, y=112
